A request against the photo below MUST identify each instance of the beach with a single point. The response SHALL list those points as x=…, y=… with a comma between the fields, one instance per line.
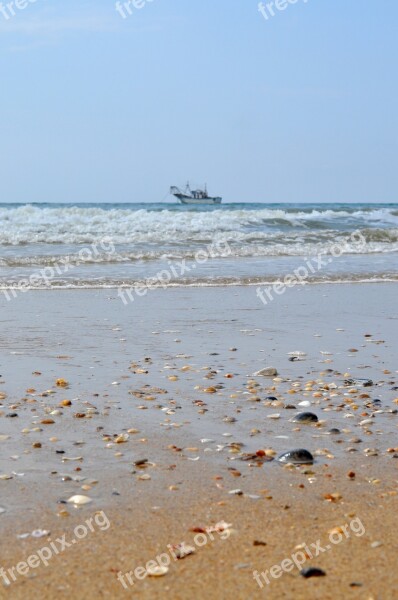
x=198, y=300
x=152, y=412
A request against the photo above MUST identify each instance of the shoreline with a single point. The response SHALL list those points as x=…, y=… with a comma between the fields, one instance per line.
x=195, y=285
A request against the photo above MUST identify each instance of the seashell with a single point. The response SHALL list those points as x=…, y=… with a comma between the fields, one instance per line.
x=312, y=572
x=79, y=500
x=333, y=431
x=38, y=533
x=182, y=550
x=157, y=571
x=298, y=456
x=305, y=417
x=334, y=497
x=218, y=527
x=229, y=419
x=304, y=403
x=61, y=383
x=266, y=372
x=122, y=438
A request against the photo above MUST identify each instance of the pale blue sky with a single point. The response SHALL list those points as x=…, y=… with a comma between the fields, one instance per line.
x=301, y=107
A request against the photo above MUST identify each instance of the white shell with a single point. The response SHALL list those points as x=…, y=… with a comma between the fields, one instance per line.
x=79, y=500
x=157, y=571
x=266, y=372
x=38, y=533
x=304, y=403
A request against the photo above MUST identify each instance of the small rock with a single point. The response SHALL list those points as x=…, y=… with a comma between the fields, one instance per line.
x=267, y=372
x=299, y=456
x=312, y=572
x=259, y=543
x=305, y=417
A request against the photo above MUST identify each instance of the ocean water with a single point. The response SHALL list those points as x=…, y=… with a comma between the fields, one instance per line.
x=108, y=245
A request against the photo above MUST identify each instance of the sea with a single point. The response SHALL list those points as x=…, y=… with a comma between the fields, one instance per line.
x=122, y=245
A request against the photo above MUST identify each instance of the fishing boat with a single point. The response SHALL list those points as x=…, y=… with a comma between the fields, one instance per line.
x=199, y=196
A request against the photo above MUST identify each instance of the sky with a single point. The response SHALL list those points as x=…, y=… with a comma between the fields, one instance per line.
x=300, y=106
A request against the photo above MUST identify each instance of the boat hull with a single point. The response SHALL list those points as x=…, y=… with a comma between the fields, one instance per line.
x=188, y=200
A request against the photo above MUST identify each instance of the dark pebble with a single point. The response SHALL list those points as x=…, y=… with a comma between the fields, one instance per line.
x=305, y=417
x=334, y=431
x=299, y=456
x=363, y=382
x=12, y=415
x=259, y=543
x=312, y=572
x=271, y=398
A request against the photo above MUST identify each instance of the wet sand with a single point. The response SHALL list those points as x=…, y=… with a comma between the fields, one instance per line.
x=175, y=370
